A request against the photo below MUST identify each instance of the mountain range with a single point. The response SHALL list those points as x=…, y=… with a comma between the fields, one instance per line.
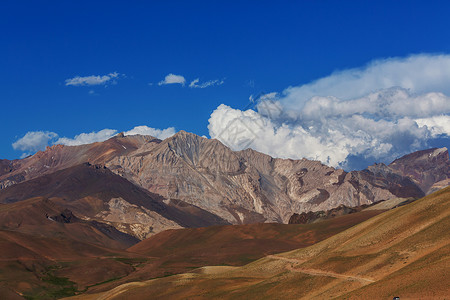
x=141, y=185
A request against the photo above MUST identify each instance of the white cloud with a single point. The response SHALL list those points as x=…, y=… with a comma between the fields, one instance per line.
x=34, y=141
x=87, y=138
x=438, y=125
x=179, y=79
x=25, y=154
x=195, y=83
x=388, y=104
x=158, y=133
x=419, y=73
x=330, y=141
x=172, y=78
x=387, y=109
x=93, y=80
x=267, y=105
x=269, y=96
x=242, y=129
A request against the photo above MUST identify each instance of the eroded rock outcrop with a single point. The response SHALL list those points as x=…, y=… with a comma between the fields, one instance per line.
x=248, y=186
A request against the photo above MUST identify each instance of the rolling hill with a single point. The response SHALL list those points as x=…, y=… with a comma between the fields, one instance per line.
x=403, y=252
x=47, y=253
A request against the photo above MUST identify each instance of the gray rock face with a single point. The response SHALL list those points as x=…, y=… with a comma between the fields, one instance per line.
x=248, y=186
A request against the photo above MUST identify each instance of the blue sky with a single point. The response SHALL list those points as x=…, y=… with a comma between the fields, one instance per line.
x=253, y=47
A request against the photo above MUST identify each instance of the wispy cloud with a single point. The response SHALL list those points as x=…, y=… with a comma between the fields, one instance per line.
x=173, y=79
x=93, y=80
x=179, y=79
x=196, y=83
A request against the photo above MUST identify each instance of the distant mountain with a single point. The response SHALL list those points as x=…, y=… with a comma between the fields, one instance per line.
x=429, y=169
x=142, y=185
x=248, y=186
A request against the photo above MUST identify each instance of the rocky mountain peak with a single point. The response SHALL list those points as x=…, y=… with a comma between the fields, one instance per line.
x=425, y=168
x=431, y=156
x=203, y=153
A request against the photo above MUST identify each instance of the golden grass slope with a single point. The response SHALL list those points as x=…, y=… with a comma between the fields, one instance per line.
x=403, y=252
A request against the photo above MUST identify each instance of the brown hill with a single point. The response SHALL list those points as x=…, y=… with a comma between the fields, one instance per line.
x=317, y=216
x=94, y=193
x=43, y=217
x=37, y=266
x=46, y=253
x=403, y=252
x=177, y=251
x=238, y=244
x=38, y=237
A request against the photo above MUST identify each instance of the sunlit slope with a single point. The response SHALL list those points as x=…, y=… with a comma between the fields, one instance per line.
x=403, y=252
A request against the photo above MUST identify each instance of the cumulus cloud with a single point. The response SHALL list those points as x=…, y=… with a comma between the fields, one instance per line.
x=419, y=73
x=387, y=104
x=243, y=129
x=87, y=138
x=93, y=80
x=172, y=79
x=376, y=113
x=158, y=133
x=34, y=141
x=196, y=83
x=438, y=125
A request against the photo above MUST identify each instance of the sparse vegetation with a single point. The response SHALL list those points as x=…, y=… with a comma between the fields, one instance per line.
x=54, y=287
